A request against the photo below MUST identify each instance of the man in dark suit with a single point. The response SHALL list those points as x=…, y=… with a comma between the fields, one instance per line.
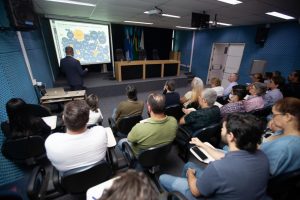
x=73, y=70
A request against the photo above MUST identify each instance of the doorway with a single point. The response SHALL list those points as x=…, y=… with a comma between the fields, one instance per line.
x=225, y=59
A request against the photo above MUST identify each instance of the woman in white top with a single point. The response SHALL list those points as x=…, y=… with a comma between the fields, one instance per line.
x=216, y=86
x=192, y=96
x=95, y=116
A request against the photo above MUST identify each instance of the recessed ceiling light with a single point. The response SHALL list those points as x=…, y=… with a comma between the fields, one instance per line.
x=73, y=2
x=280, y=15
x=136, y=22
x=167, y=15
x=221, y=23
x=232, y=2
x=184, y=27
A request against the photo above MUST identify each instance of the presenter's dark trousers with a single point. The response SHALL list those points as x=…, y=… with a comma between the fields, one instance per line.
x=77, y=87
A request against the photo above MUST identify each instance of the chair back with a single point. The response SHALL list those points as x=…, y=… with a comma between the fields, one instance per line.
x=155, y=55
x=119, y=55
x=285, y=186
x=211, y=134
x=263, y=112
x=154, y=156
x=25, y=149
x=79, y=180
x=175, y=111
x=142, y=55
x=126, y=123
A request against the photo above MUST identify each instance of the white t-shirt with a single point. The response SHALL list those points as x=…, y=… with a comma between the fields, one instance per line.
x=219, y=90
x=95, y=117
x=229, y=88
x=66, y=151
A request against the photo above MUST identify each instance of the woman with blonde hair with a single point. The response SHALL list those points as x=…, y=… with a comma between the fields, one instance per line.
x=216, y=86
x=190, y=99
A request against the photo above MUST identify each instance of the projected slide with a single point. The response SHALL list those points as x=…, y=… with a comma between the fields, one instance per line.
x=89, y=41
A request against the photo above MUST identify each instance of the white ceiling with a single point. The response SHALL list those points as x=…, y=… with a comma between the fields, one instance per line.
x=117, y=11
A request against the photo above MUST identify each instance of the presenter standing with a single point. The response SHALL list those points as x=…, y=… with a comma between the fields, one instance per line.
x=73, y=70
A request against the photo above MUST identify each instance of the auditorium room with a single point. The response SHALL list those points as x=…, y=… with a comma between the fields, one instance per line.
x=149, y=99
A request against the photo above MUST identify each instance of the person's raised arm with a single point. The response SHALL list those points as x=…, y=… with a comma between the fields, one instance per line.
x=214, y=153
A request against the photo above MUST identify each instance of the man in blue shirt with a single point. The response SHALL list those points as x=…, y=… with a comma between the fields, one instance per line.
x=240, y=174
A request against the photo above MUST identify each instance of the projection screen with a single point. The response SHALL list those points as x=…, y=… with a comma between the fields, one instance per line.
x=90, y=41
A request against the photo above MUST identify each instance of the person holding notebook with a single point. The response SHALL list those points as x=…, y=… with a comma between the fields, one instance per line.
x=221, y=179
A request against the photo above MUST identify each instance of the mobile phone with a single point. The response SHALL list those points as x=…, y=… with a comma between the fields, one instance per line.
x=199, y=153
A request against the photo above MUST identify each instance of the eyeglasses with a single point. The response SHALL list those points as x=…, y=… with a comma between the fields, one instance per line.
x=274, y=115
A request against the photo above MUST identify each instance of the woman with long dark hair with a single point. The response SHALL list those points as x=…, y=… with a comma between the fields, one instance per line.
x=24, y=119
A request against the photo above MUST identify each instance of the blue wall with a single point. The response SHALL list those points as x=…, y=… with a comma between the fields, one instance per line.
x=15, y=80
x=183, y=43
x=281, y=49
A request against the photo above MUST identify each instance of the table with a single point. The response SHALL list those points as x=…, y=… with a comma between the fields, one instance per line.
x=142, y=68
x=68, y=96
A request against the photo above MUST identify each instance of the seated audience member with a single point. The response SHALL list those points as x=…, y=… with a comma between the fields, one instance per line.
x=257, y=77
x=281, y=79
x=79, y=146
x=236, y=98
x=129, y=107
x=157, y=130
x=190, y=99
x=274, y=94
x=221, y=179
x=267, y=77
x=131, y=185
x=232, y=78
x=95, y=116
x=271, y=130
x=283, y=150
x=25, y=120
x=255, y=99
x=172, y=97
x=206, y=115
x=293, y=87
x=276, y=74
x=216, y=86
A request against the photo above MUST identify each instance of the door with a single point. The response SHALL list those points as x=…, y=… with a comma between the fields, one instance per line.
x=225, y=59
x=233, y=61
x=217, y=61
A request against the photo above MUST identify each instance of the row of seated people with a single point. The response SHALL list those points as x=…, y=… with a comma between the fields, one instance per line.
x=157, y=122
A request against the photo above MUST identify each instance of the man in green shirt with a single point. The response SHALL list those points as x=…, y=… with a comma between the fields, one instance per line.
x=157, y=130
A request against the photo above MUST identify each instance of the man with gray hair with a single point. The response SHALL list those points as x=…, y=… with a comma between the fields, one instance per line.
x=205, y=115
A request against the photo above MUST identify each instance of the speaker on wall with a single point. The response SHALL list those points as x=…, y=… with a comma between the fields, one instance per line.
x=261, y=35
x=21, y=14
x=200, y=20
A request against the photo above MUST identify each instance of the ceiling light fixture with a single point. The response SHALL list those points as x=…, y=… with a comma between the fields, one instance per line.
x=221, y=23
x=280, y=15
x=136, y=22
x=232, y=2
x=73, y=2
x=168, y=15
x=184, y=27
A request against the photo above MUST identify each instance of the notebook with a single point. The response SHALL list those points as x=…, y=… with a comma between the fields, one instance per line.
x=111, y=140
x=55, y=91
x=202, y=155
x=50, y=121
